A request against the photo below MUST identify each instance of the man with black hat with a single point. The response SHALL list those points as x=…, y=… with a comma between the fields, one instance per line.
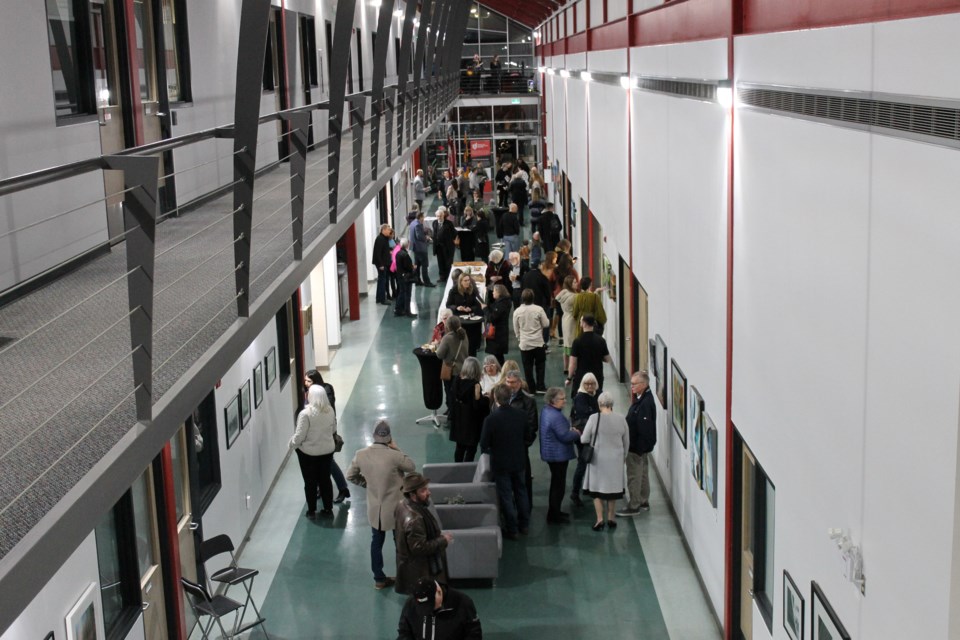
x=379, y=468
x=421, y=546
x=438, y=612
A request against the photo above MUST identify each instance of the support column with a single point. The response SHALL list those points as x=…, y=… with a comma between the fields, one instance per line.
x=299, y=125
x=353, y=271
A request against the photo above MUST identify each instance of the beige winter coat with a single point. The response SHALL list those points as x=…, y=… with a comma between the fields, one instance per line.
x=380, y=470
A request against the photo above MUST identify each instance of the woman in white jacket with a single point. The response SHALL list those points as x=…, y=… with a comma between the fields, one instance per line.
x=313, y=441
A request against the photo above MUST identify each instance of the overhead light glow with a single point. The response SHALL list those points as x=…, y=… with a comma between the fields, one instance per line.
x=564, y=73
x=586, y=76
x=725, y=97
x=627, y=82
x=376, y=3
x=398, y=13
x=541, y=69
x=550, y=71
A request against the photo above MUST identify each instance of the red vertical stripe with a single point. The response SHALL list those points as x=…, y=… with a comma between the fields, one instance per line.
x=353, y=272
x=168, y=520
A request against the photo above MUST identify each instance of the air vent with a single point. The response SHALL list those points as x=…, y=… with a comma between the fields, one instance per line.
x=891, y=115
x=682, y=88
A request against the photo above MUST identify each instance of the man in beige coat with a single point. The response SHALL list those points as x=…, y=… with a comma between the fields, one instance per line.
x=380, y=469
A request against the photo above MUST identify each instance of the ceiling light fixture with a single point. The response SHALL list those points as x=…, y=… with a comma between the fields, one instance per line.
x=586, y=76
x=564, y=73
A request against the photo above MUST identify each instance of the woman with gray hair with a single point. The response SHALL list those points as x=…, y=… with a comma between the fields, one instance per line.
x=498, y=272
x=556, y=449
x=470, y=408
x=491, y=374
x=609, y=435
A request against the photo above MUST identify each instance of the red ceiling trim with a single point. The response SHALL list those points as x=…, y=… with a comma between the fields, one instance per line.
x=613, y=35
x=764, y=16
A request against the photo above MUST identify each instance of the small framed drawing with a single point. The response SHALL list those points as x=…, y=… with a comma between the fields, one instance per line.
x=824, y=623
x=661, y=368
x=257, y=385
x=678, y=389
x=231, y=418
x=84, y=619
x=792, y=608
x=652, y=346
x=246, y=409
x=696, y=433
x=270, y=364
x=710, y=459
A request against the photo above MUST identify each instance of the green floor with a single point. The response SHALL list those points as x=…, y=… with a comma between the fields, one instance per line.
x=560, y=582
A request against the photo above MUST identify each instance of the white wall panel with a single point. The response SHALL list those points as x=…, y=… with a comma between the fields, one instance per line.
x=608, y=159
x=704, y=59
x=559, y=108
x=800, y=319
x=611, y=61
x=596, y=13
x=575, y=61
x=918, y=57
x=581, y=15
x=577, y=136
x=913, y=252
x=616, y=9
x=837, y=58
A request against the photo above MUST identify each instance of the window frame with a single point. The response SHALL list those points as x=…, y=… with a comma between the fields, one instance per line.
x=83, y=60
x=124, y=529
x=763, y=558
x=181, y=46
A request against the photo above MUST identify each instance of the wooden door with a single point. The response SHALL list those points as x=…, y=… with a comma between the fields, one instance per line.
x=187, y=527
x=148, y=556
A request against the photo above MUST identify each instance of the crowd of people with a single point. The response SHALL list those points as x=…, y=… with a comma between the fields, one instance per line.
x=492, y=405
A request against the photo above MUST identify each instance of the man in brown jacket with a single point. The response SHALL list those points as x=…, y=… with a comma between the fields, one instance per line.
x=421, y=546
x=380, y=468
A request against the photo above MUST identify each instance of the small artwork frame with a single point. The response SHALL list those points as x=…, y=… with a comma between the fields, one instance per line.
x=710, y=448
x=652, y=346
x=678, y=389
x=793, y=604
x=231, y=419
x=270, y=366
x=661, y=369
x=824, y=623
x=246, y=408
x=696, y=433
x=85, y=619
x=258, y=384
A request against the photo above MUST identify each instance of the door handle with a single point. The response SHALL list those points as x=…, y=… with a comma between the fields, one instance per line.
x=161, y=114
x=194, y=526
x=751, y=594
x=146, y=605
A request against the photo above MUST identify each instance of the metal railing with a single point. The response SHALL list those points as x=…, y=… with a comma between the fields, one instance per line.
x=486, y=82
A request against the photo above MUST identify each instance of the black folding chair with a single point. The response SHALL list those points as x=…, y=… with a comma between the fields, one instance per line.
x=215, y=608
x=232, y=574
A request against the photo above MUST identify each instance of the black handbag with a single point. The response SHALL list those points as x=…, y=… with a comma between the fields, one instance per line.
x=587, y=450
x=337, y=442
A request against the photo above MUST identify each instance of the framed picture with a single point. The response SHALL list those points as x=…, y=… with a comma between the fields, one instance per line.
x=270, y=364
x=679, y=397
x=84, y=619
x=257, y=385
x=710, y=459
x=792, y=608
x=245, y=408
x=661, y=368
x=824, y=624
x=652, y=346
x=231, y=418
x=696, y=432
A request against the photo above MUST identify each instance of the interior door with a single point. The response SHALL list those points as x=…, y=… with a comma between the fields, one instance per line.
x=109, y=91
x=747, y=478
x=148, y=556
x=188, y=528
x=146, y=66
x=641, y=323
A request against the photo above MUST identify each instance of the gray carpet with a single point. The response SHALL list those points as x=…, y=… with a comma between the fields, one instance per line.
x=66, y=392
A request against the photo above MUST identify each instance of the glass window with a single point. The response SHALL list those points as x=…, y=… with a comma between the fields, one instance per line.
x=174, y=43
x=179, y=462
x=479, y=130
x=475, y=114
x=491, y=21
x=202, y=440
x=515, y=112
x=516, y=128
x=520, y=33
x=487, y=51
x=492, y=37
x=116, y=561
x=763, y=541
x=521, y=50
x=70, y=58
x=143, y=517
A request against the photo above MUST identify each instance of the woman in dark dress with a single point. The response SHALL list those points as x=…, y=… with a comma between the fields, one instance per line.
x=443, y=243
x=482, y=233
x=470, y=407
x=498, y=314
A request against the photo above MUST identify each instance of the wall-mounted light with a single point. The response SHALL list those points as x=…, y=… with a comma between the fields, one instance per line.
x=586, y=76
x=376, y=3
x=541, y=69
x=724, y=94
x=564, y=73
x=550, y=71
x=627, y=82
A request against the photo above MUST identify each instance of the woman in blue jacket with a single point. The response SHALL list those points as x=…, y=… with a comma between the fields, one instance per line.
x=556, y=449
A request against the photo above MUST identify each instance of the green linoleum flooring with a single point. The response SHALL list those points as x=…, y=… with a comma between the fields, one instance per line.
x=559, y=582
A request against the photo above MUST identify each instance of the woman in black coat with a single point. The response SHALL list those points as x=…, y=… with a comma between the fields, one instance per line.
x=470, y=407
x=584, y=406
x=464, y=299
x=443, y=242
x=498, y=314
x=482, y=233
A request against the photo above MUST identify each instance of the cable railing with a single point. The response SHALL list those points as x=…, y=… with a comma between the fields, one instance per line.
x=118, y=349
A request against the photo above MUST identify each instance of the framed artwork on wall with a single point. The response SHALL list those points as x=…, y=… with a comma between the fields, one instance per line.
x=245, y=408
x=661, y=367
x=84, y=619
x=696, y=433
x=678, y=390
x=710, y=459
x=652, y=346
x=231, y=419
x=824, y=623
x=270, y=364
x=257, y=385
x=792, y=608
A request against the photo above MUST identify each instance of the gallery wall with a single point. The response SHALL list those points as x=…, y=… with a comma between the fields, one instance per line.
x=844, y=384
